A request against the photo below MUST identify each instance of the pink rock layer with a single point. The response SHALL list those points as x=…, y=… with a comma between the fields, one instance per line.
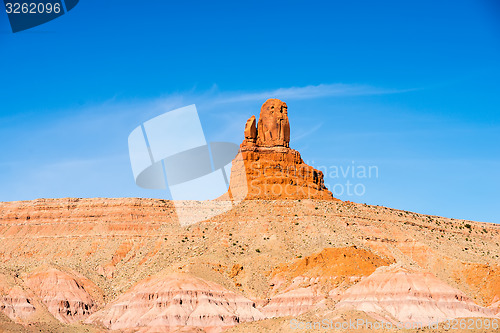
x=293, y=302
x=14, y=301
x=410, y=297
x=173, y=301
x=66, y=296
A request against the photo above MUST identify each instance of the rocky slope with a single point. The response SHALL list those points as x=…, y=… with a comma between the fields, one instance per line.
x=289, y=257
x=95, y=265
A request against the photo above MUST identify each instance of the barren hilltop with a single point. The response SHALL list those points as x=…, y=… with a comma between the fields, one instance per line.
x=274, y=263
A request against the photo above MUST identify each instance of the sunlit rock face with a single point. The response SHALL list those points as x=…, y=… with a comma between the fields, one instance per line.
x=273, y=170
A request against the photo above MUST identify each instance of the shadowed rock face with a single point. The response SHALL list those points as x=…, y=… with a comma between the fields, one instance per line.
x=272, y=169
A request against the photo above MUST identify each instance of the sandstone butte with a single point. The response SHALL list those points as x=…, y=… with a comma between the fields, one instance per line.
x=272, y=169
x=291, y=251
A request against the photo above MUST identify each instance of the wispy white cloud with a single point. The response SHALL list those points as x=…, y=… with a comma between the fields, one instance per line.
x=304, y=134
x=308, y=92
x=85, y=148
x=231, y=108
x=210, y=99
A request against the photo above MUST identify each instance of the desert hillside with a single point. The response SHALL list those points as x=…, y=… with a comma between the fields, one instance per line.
x=287, y=256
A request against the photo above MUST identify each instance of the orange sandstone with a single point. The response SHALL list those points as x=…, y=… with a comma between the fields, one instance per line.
x=272, y=169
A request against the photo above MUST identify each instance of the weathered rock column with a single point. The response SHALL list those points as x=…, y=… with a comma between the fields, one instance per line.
x=273, y=170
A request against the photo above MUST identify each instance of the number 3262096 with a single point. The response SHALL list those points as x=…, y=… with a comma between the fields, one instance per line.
x=32, y=8
x=471, y=324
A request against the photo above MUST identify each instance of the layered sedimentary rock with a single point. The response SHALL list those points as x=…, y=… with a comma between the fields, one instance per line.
x=58, y=212
x=136, y=238
x=300, y=285
x=293, y=302
x=273, y=170
x=344, y=263
x=410, y=297
x=14, y=301
x=67, y=297
x=169, y=302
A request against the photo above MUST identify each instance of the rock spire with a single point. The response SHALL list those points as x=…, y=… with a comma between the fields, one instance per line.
x=274, y=170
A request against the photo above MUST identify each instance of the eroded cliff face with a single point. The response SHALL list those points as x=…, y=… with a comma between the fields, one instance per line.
x=170, y=302
x=273, y=170
x=68, y=297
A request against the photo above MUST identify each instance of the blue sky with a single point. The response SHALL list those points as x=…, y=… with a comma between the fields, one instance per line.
x=410, y=87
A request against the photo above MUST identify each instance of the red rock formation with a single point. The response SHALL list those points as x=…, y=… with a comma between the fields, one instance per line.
x=332, y=262
x=67, y=297
x=167, y=303
x=274, y=127
x=410, y=297
x=250, y=132
x=273, y=170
